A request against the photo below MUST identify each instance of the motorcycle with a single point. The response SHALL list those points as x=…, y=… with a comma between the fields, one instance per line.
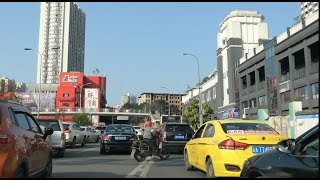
x=141, y=150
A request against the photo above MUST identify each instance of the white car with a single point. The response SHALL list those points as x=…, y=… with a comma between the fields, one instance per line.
x=139, y=131
x=57, y=138
x=90, y=133
x=74, y=134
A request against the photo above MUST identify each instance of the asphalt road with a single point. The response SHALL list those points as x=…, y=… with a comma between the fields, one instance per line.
x=87, y=162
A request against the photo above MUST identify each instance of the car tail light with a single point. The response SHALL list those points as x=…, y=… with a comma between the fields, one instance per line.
x=231, y=144
x=67, y=131
x=62, y=136
x=5, y=138
x=105, y=138
x=164, y=134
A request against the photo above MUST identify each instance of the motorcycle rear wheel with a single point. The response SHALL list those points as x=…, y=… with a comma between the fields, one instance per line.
x=164, y=154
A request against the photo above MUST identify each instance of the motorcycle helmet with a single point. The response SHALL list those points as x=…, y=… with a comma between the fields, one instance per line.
x=148, y=123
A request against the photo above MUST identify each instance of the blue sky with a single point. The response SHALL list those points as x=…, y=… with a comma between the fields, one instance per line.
x=137, y=45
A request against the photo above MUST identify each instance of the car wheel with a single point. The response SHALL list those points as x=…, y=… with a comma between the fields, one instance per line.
x=84, y=141
x=209, y=168
x=73, y=144
x=20, y=173
x=187, y=165
x=61, y=154
x=48, y=170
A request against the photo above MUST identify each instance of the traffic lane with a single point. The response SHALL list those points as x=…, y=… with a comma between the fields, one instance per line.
x=173, y=168
x=88, y=162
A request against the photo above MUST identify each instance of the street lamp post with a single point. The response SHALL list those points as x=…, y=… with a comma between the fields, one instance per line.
x=168, y=98
x=40, y=78
x=200, y=101
x=81, y=86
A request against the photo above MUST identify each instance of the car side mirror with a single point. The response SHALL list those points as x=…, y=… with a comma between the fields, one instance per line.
x=47, y=132
x=286, y=146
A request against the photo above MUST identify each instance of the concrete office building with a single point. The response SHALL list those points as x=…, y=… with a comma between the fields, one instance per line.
x=308, y=8
x=240, y=32
x=208, y=92
x=128, y=98
x=172, y=99
x=282, y=70
x=61, y=40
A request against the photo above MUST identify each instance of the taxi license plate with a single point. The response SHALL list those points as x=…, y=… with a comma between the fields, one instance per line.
x=260, y=149
x=120, y=138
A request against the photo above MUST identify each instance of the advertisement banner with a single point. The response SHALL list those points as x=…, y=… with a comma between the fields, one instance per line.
x=91, y=98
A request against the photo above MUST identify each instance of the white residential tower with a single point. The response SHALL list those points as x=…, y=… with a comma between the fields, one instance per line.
x=61, y=40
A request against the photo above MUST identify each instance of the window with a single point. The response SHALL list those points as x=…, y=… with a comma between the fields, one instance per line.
x=199, y=132
x=285, y=97
x=301, y=93
x=34, y=126
x=262, y=100
x=22, y=121
x=312, y=148
x=253, y=103
x=209, y=132
x=65, y=95
x=315, y=91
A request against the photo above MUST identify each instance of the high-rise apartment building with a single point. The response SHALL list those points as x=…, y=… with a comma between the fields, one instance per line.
x=61, y=40
x=128, y=98
x=308, y=8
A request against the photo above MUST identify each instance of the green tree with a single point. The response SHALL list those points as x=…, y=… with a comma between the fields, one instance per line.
x=191, y=113
x=174, y=109
x=82, y=119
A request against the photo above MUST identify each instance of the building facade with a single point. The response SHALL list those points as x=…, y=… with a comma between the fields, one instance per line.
x=128, y=98
x=240, y=32
x=282, y=70
x=61, y=40
x=171, y=99
x=308, y=8
x=77, y=91
x=208, y=93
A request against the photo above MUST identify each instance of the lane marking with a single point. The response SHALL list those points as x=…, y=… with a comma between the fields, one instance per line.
x=86, y=150
x=146, y=169
x=143, y=168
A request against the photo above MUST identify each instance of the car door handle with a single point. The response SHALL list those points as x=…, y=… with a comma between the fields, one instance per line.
x=202, y=143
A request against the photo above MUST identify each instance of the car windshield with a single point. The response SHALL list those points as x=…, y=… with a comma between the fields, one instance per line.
x=50, y=124
x=178, y=128
x=247, y=128
x=127, y=129
x=66, y=126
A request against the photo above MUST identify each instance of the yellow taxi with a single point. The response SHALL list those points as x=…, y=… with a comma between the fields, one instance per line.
x=220, y=147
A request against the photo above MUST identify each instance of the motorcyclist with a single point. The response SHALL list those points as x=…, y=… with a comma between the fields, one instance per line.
x=149, y=138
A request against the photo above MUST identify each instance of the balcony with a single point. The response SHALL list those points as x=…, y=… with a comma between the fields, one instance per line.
x=252, y=88
x=285, y=77
x=261, y=85
x=299, y=73
x=314, y=67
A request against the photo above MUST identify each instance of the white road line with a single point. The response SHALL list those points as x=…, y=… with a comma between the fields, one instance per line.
x=146, y=169
x=143, y=167
x=86, y=150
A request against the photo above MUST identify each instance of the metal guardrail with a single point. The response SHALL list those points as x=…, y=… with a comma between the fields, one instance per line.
x=299, y=73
